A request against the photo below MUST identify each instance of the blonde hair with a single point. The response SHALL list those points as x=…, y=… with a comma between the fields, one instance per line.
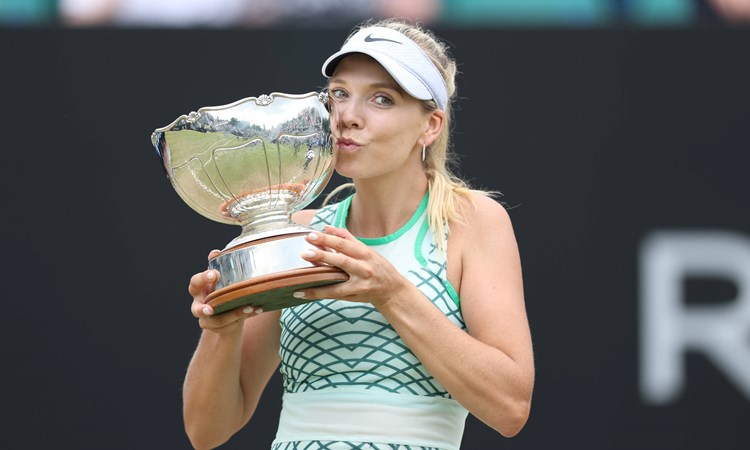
x=445, y=188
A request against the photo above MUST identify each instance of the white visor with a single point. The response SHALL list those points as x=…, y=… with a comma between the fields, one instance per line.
x=401, y=57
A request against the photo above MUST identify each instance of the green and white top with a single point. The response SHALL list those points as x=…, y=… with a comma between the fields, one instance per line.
x=349, y=379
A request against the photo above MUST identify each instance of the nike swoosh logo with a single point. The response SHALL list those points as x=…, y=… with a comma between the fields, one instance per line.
x=369, y=38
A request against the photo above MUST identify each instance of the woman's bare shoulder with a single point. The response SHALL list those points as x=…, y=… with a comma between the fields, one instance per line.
x=485, y=226
x=481, y=211
x=304, y=217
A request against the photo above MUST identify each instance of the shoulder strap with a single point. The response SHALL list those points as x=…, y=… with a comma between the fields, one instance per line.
x=326, y=216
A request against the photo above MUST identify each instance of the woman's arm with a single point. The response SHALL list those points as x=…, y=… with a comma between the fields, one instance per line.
x=490, y=370
x=237, y=354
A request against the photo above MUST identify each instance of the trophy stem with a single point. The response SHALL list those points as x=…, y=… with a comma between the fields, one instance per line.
x=267, y=220
x=262, y=224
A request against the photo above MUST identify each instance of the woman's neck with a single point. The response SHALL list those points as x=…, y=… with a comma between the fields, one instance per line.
x=382, y=207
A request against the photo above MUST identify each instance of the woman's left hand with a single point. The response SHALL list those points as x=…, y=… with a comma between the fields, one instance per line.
x=372, y=278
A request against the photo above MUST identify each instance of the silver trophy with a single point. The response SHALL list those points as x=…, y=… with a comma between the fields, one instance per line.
x=254, y=163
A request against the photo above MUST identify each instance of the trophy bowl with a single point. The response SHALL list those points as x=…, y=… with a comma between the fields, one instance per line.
x=254, y=163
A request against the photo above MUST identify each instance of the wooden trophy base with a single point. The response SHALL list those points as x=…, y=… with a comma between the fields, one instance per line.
x=274, y=291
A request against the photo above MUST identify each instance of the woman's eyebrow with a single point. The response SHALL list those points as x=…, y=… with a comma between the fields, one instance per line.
x=388, y=85
x=377, y=85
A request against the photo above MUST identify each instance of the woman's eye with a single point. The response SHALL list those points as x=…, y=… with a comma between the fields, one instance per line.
x=382, y=100
x=337, y=93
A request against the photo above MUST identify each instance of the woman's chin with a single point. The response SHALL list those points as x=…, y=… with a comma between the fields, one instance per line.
x=344, y=171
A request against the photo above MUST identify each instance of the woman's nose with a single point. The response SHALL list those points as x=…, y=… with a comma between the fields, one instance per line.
x=347, y=114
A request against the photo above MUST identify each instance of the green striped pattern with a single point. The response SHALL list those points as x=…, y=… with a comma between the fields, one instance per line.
x=338, y=445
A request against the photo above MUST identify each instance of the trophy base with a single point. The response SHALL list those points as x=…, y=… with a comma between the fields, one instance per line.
x=274, y=291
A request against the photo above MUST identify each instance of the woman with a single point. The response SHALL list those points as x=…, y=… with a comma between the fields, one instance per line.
x=431, y=323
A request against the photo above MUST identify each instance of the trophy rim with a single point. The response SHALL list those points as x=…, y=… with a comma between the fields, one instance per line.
x=260, y=100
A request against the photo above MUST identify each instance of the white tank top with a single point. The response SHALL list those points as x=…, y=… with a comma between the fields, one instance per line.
x=348, y=376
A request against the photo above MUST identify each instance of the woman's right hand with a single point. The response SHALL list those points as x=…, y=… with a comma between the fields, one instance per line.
x=201, y=285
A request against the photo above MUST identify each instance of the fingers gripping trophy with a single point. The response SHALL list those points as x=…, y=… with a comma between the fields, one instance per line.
x=254, y=163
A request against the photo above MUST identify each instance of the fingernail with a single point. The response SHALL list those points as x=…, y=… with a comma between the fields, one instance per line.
x=258, y=310
x=313, y=236
x=210, y=275
x=248, y=310
x=308, y=254
x=298, y=294
x=207, y=311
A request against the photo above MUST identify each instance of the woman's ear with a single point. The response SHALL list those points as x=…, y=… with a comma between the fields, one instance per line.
x=435, y=124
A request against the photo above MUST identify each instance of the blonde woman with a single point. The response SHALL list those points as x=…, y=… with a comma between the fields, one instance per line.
x=431, y=324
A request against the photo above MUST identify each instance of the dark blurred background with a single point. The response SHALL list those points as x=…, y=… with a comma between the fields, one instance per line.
x=617, y=131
